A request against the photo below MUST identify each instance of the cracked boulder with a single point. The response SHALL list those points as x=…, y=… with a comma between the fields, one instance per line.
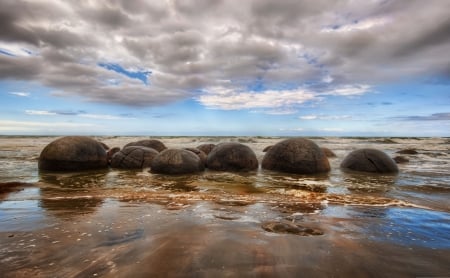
x=369, y=160
x=133, y=157
x=149, y=143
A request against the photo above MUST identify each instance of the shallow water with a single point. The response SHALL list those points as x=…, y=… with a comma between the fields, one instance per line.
x=117, y=223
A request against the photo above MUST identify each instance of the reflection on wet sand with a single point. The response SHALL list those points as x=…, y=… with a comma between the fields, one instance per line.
x=136, y=238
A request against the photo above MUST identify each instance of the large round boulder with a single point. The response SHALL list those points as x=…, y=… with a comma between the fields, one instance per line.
x=73, y=153
x=133, y=157
x=176, y=161
x=296, y=155
x=369, y=160
x=206, y=148
x=232, y=157
x=328, y=152
x=199, y=153
x=149, y=143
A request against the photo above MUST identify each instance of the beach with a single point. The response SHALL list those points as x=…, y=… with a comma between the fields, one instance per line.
x=133, y=223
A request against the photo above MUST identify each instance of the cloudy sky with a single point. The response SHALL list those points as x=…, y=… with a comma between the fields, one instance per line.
x=212, y=67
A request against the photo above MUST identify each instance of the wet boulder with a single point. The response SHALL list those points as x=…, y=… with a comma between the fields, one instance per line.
x=133, y=157
x=328, y=152
x=149, y=143
x=399, y=159
x=111, y=153
x=206, y=148
x=199, y=153
x=176, y=161
x=232, y=157
x=73, y=153
x=369, y=160
x=407, y=151
x=296, y=155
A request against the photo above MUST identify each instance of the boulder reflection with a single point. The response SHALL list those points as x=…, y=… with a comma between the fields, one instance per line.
x=66, y=195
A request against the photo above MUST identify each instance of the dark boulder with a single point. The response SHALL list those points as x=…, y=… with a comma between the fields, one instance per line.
x=133, y=157
x=232, y=157
x=369, y=160
x=400, y=159
x=149, y=143
x=407, y=151
x=296, y=155
x=199, y=153
x=285, y=227
x=328, y=152
x=266, y=149
x=175, y=161
x=106, y=147
x=73, y=153
x=112, y=152
x=206, y=148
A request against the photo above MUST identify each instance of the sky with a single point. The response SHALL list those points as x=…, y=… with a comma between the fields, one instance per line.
x=216, y=67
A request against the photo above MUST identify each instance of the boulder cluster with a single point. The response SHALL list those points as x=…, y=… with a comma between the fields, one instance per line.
x=294, y=155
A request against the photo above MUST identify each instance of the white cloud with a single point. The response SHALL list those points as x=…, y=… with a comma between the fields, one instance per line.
x=20, y=94
x=28, y=126
x=40, y=112
x=349, y=90
x=358, y=26
x=332, y=129
x=228, y=99
x=104, y=117
x=325, y=117
x=76, y=114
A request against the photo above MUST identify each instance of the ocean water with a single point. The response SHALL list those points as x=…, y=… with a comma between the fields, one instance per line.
x=132, y=223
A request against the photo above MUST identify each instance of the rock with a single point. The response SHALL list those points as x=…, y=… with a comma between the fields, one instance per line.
x=175, y=161
x=400, y=159
x=328, y=152
x=199, y=153
x=149, y=143
x=266, y=149
x=111, y=153
x=73, y=153
x=106, y=147
x=296, y=155
x=232, y=157
x=206, y=148
x=369, y=160
x=133, y=157
x=407, y=151
x=289, y=228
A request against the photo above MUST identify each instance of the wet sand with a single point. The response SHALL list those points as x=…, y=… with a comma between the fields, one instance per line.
x=51, y=234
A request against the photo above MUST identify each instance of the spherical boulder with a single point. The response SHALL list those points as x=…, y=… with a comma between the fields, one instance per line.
x=232, y=157
x=199, y=153
x=369, y=160
x=328, y=152
x=266, y=149
x=149, y=143
x=296, y=155
x=73, y=153
x=112, y=152
x=176, y=161
x=133, y=157
x=206, y=148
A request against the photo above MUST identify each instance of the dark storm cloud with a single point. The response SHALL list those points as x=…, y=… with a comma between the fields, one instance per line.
x=221, y=47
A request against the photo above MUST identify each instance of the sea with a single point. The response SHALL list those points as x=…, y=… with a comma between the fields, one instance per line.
x=133, y=223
